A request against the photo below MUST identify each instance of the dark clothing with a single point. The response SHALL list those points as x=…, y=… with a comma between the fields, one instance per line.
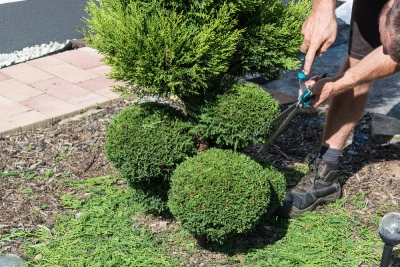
x=364, y=27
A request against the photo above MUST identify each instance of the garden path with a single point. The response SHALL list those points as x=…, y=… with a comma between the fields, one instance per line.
x=43, y=91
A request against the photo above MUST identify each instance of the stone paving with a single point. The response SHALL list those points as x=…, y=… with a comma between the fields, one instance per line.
x=48, y=89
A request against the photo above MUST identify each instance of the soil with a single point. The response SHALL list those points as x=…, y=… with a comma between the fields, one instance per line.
x=73, y=149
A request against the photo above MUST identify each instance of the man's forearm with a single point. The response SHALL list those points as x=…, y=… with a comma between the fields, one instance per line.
x=324, y=6
x=374, y=66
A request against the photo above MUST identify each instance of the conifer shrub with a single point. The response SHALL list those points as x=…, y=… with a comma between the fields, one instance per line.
x=277, y=182
x=219, y=193
x=152, y=196
x=236, y=116
x=188, y=48
x=161, y=50
x=271, y=38
x=146, y=141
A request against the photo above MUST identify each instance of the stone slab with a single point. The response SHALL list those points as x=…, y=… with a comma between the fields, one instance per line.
x=385, y=128
x=11, y=260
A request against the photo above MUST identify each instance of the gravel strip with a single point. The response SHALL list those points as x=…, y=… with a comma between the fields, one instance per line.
x=29, y=53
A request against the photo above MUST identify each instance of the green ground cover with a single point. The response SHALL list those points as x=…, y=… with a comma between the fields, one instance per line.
x=102, y=230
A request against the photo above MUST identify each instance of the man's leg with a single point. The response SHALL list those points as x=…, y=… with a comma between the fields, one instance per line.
x=320, y=185
x=344, y=111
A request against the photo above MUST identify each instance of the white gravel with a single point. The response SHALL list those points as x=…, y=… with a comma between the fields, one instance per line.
x=29, y=53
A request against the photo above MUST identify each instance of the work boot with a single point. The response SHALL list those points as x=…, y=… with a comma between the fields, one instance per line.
x=319, y=186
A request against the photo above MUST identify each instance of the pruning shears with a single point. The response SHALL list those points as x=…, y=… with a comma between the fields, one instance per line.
x=287, y=115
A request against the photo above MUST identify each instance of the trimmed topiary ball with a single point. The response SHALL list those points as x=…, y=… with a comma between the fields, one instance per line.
x=277, y=182
x=219, y=193
x=145, y=142
x=236, y=116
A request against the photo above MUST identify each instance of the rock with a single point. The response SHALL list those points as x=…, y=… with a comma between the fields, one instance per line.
x=163, y=224
x=34, y=166
x=282, y=98
x=11, y=260
x=241, y=258
x=385, y=128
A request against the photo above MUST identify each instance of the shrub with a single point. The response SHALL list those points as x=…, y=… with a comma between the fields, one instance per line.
x=152, y=196
x=219, y=193
x=277, y=182
x=159, y=49
x=145, y=142
x=187, y=47
x=236, y=116
x=271, y=39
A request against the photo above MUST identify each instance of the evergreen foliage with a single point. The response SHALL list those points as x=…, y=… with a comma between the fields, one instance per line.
x=271, y=39
x=188, y=48
x=160, y=50
x=236, y=116
x=146, y=141
x=277, y=182
x=219, y=193
x=196, y=50
x=152, y=196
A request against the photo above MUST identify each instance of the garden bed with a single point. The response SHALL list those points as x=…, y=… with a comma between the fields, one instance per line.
x=34, y=167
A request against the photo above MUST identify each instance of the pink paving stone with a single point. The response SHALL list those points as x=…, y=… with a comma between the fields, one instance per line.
x=60, y=88
x=26, y=73
x=71, y=73
x=91, y=51
x=50, y=105
x=98, y=84
x=44, y=62
x=17, y=91
x=102, y=86
x=10, y=108
x=100, y=70
x=4, y=77
x=6, y=125
x=89, y=100
x=29, y=117
x=80, y=59
x=110, y=95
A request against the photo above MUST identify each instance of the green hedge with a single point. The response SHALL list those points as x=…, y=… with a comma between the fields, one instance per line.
x=188, y=48
x=219, y=193
x=161, y=50
x=146, y=141
x=236, y=116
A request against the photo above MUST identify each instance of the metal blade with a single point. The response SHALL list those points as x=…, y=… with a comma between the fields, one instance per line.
x=278, y=118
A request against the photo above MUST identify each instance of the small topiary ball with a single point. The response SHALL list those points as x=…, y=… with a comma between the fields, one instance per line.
x=235, y=117
x=145, y=142
x=219, y=193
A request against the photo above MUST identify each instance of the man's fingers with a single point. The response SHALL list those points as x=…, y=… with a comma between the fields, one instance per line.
x=304, y=47
x=309, y=59
x=311, y=82
x=314, y=101
x=324, y=48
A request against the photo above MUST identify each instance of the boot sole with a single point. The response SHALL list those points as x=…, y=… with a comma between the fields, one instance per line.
x=295, y=213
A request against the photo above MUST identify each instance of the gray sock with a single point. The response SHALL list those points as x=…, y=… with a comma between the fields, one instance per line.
x=329, y=154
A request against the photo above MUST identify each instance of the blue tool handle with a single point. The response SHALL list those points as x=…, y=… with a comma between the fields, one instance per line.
x=301, y=75
x=306, y=97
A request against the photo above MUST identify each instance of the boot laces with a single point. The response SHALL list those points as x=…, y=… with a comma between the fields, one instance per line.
x=308, y=180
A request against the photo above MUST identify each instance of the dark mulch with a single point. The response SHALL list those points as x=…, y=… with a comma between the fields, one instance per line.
x=73, y=149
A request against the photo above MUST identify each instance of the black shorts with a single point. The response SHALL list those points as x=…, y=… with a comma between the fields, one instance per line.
x=364, y=27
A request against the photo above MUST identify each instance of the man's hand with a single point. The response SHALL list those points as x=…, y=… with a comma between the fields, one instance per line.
x=321, y=90
x=319, y=31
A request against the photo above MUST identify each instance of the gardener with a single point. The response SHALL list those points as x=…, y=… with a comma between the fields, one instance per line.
x=374, y=53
